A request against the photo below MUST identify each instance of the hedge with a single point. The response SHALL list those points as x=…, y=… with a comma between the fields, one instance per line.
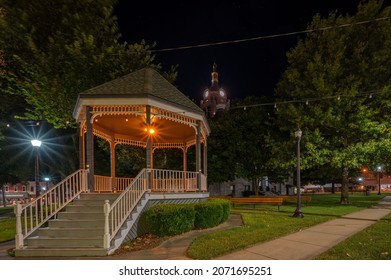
x=173, y=219
x=170, y=219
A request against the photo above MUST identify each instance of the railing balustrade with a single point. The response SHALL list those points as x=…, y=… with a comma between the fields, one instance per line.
x=173, y=181
x=33, y=215
x=122, y=183
x=106, y=183
x=117, y=213
x=102, y=183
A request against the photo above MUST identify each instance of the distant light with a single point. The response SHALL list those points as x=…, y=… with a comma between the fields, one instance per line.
x=8, y=125
x=359, y=179
x=47, y=179
x=36, y=143
x=378, y=168
x=151, y=131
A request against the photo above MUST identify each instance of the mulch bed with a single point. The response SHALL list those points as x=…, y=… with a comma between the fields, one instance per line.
x=146, y=241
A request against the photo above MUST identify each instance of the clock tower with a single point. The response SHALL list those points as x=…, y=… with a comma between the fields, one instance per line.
x=214, y=98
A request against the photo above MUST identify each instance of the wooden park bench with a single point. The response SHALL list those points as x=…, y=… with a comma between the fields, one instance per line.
x=269, y=200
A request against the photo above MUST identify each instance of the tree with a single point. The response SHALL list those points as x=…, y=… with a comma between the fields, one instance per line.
x=53, y=50
x=342, y=77
x=237, y=146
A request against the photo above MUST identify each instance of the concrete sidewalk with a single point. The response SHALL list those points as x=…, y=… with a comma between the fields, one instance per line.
x=311, y=242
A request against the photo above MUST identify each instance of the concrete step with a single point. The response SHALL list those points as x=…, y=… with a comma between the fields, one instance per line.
x=99, y=196
x=89, y=202
x=64, y=242
x=71, y=232
x=80, y=215
x=84, y=208
x=60, y=252
x=96, y=224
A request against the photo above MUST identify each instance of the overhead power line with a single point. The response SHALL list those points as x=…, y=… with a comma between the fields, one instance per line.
x=307, y=101
x=269, y=36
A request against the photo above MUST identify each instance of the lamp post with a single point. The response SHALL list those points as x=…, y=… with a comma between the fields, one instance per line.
x=36, y=144
x=378, y=179
x=47, y=179
x=298, y=213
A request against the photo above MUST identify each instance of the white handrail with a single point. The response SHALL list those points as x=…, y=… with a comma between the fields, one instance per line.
x=117, y=213
x=33, y=215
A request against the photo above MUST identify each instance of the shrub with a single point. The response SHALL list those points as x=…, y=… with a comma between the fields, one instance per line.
x=207, y=214
x=226, y=204
x=170, y=219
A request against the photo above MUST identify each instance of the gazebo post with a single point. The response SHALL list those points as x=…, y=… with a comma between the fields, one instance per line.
x=90, y=149
x=148, y=146
x=113, y=186
x=198, y=155
x=205, y=157
x=82, y=147
x=184, y=150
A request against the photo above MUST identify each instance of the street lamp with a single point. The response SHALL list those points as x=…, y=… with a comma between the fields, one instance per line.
x=47, y=179
x=36, y=144
x=298, y=213
x=378, y=179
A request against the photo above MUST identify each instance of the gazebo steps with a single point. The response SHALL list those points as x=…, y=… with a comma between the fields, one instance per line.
x=78, y=231
x=60, y=252
x=64, y=242
x=95, y=224
x=80, y=215
x=70, y=232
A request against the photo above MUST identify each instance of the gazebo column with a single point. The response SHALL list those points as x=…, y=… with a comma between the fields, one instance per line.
x=205, y=158
x=90, y=149
x=198, y=155
x=82, y=149
x=113, y=186
x=148, y=146
x=184, y=149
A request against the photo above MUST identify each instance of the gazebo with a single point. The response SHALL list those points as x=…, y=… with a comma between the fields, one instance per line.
x=142, y=109
x=91, y=215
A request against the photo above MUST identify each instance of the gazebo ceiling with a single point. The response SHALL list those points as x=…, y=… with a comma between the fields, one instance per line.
x=134, y=128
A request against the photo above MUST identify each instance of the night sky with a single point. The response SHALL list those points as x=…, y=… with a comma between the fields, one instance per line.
x=249, y=68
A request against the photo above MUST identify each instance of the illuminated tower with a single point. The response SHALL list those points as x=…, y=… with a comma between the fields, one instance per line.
x=214, y=98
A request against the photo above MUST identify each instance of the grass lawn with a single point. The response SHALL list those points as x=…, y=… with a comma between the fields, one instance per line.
x=267, y=223
x=7, y=229
x=373, y=243
x=8, y=209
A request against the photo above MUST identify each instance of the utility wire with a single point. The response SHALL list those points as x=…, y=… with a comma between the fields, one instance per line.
x=269, y=36
x=368, y=94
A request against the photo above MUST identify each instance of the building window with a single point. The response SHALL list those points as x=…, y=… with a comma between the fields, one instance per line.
x=23, y=188
x=6, y=188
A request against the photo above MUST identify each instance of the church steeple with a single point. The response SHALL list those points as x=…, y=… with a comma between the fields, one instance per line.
x=215, y=76
x=214, y=99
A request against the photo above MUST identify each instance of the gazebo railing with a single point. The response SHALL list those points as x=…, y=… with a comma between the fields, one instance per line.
x=162, y=180
x=107, y=184
x=173, y=180
x=33, y=215
x=117, y=213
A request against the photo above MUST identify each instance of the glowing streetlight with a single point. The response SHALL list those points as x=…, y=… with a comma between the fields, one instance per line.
x=36, y=144
x=379, y=169
x=298, y=213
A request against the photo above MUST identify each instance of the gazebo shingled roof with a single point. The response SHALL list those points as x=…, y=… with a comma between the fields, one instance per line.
x=142, y=83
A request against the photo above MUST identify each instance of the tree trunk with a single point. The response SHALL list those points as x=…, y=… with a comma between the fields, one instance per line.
x=332, y=187
x=255, y=186
x=345, y=186
x=3, y=196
